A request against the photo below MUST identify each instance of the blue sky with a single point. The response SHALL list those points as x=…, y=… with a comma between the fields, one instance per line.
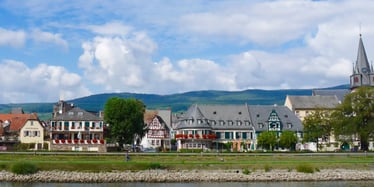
x=51, y=50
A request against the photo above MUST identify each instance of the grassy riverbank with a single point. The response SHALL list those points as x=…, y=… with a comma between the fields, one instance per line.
x=101, y=163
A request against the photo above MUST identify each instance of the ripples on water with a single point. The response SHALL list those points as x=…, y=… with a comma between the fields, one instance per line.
x=224, y=184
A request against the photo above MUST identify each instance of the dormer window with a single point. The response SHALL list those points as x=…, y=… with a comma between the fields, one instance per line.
x=289, y=125
x=260, y=125
x=239, y=122
x=80, y=113
x=231, y=122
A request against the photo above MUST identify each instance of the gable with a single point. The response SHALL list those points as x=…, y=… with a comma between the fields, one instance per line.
x=17, y=121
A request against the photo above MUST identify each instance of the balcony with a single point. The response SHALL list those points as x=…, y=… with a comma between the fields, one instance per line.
x=76, y=141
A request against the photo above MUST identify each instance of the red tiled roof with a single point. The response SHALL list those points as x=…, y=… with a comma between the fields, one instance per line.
x=17, y=121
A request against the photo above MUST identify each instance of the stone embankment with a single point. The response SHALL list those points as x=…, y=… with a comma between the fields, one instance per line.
x=188, y=176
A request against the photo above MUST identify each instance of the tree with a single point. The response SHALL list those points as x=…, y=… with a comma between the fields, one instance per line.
x=355, y=116
x=316, y=125
x=288, y=139
x=125, y=118
x=267, y=140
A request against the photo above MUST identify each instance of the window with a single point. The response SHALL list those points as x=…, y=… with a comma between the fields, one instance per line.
x=247, y=123
x=70, y=113
x=231, y=122
x=289, y=125
x=228, y=135
x=32, y=123
x=26, y=133
x=260, y=125
x=80, y=113
x=239, y=122
x=244, y=135
x=218, y=135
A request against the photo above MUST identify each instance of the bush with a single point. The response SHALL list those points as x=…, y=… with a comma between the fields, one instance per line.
x=246, y=171
x=155, y=166
x=23, y=168
x=305, y=168
x=267, y=168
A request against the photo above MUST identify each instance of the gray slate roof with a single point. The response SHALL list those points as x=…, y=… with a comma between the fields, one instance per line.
x=234, y=117
x=313, y=102
x=339, y=93
x=260, y=114
x=77, y=114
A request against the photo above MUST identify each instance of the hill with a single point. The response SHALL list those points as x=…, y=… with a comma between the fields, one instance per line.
x=176, y=102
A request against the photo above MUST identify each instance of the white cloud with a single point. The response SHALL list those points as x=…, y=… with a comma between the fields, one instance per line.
x=20, y=83
x=12, y=38
x=110, y=28
x=266, y=23
x=47, y=37
x=117, y=63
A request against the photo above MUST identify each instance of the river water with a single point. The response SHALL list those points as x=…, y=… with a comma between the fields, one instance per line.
x=224, y=184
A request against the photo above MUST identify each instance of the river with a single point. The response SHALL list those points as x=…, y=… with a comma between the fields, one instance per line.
x=214, y=184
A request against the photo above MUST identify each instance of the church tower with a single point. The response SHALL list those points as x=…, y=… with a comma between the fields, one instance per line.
x=363, y=74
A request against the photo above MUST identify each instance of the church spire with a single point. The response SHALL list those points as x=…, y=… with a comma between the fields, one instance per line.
x=362, y=71
x=362, y=63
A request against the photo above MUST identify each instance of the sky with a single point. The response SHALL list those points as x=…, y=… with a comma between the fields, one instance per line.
x=52, y=50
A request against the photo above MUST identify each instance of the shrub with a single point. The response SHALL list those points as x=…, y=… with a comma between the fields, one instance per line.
x=154, y=165
x=305, y=168
x=246, y=171
x=23, y=168
x=267, y=168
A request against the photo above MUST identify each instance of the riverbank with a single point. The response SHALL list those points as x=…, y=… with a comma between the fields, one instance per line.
x=188, y=176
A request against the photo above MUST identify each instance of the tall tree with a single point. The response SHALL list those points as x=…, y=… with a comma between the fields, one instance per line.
x=267, y=140
x=355, y=116
x=316, y=126
x=288, y=139
x=126, y=119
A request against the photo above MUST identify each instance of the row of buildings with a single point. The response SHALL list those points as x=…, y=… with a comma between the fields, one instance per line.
x=202, y=126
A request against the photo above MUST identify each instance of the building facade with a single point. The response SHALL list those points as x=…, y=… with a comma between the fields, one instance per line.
x=21, y=128
x=208, y=127
x=74, y=129
x=159, y=129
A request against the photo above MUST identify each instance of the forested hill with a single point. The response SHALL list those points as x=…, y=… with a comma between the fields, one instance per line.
x=176, y=102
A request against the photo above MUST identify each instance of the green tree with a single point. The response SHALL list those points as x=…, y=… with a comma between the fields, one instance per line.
x=126, y=119
x=316, y=125
x=267, y=140
x=288, y=139
x=355, y=116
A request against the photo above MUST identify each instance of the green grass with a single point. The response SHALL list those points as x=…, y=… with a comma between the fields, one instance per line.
x=24, y=168
x=305, y=168
x=100, y=163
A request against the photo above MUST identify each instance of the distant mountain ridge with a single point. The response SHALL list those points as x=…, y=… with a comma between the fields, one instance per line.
x=175, y=102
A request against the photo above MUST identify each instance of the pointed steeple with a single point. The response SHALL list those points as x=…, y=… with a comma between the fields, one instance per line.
x=362, y=63
x=362, y=71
